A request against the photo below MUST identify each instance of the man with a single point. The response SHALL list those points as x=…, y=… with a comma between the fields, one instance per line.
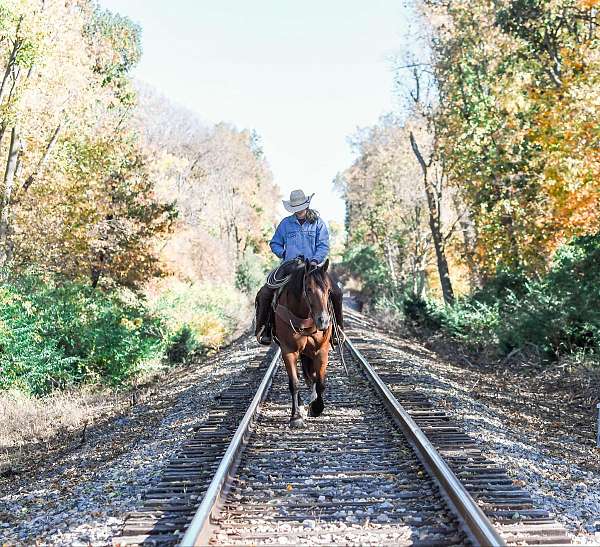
x=302, y=234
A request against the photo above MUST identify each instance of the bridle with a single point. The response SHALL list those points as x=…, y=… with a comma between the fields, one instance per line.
x=305, y=294
x=334, y=326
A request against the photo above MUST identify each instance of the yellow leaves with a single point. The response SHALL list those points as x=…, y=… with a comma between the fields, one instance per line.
x=131, y=325
x=589, y=4
x=514, y=104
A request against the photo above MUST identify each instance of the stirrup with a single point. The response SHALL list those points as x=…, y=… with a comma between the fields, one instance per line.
x=264, y=336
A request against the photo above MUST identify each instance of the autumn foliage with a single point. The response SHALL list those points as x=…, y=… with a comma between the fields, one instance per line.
x=114, y=200
x=518, y=108
x=503, y=113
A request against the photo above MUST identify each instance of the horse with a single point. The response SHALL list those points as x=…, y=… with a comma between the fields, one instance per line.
x=303, y=330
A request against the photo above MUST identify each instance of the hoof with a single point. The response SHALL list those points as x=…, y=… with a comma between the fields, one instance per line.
x=316, y=408
x=296, y=423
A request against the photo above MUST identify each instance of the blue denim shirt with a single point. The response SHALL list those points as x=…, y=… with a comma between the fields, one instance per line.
x=293, y=239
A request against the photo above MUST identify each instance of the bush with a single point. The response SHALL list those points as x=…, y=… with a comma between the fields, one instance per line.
x=209, y=312
x=251, y=272
x=561, y=312
x=470, y=321
x=557, y=314
x=57, y=334
x=181, y=345
x=366, y=264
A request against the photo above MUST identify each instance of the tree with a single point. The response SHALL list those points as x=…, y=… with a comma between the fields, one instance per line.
x=221, y=184
x=386, y=209
x=434, y=175
x=77, y=195
x=518, y=94
x=433, y=192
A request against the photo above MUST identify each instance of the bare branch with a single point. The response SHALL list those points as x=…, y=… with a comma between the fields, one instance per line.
x=11, y=58
x=40, y=165
x=413, y=65
x=415, y=147
x=416, y=96
x=450, y=232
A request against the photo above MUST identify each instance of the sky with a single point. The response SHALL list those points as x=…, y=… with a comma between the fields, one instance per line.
x=303, y=73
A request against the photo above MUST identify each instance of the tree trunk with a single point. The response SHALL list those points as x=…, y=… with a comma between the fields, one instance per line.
x=96, y=272
x=469, y=238
x=10, y=65
x=435, y=226
x=39, y=168
x=9, y=179
x=390, y=260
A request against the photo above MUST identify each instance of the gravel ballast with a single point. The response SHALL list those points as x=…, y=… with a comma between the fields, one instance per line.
x=532, y=426
x=79, y=496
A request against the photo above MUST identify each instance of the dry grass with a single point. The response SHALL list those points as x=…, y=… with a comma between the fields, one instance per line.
x=27, y=420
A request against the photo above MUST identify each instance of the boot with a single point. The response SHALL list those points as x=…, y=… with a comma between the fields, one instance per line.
x=262, y=304
x=264, y=335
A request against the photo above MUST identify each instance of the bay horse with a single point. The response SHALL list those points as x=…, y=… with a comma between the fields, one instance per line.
x=303, y=329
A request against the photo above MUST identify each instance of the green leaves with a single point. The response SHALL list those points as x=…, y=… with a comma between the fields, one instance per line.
x=556, y=314
x=516, y=109
x=57, y=334
x=115, y=43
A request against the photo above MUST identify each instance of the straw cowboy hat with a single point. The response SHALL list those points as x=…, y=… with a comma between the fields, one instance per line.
x=298, y=201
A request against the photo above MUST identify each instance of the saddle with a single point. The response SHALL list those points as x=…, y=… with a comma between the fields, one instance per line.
x=278, y=279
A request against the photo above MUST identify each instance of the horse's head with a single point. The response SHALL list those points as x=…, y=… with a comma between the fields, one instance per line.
x=317, y=285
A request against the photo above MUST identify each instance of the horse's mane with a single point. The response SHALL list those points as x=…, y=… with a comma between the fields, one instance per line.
x=295, y=284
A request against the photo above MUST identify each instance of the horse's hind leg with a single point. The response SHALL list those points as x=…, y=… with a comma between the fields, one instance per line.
x=307, y=371
x=316, y=407
x=290, y=360
x=306, y=368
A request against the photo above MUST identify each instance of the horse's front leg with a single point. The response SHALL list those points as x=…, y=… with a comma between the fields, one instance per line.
x=320, y=367
x=290, y=360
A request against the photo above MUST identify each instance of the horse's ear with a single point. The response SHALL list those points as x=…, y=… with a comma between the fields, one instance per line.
x=306, y=265
x=325, y=265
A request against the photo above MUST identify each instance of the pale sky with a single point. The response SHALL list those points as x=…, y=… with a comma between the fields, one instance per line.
x=303, y=73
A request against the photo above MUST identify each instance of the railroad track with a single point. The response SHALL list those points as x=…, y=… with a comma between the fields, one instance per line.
x=380, y=466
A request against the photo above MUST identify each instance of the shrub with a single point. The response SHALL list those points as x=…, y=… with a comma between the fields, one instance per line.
x=470, y=321
x=561, y=312
x=182, y=343
x=56, y=334
x=251, y=272
x=366, y=264
x=210, y=312
x=556, y=314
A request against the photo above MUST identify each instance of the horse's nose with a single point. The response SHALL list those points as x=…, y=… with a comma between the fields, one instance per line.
x=323, y=320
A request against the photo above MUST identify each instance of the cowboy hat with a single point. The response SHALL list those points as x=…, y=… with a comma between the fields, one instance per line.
x=297, y=202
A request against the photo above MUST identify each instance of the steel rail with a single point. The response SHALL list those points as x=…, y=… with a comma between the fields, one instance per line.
x=477, y=526
x=198, y=530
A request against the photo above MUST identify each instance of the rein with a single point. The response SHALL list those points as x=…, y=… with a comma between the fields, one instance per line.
x=299, y=324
